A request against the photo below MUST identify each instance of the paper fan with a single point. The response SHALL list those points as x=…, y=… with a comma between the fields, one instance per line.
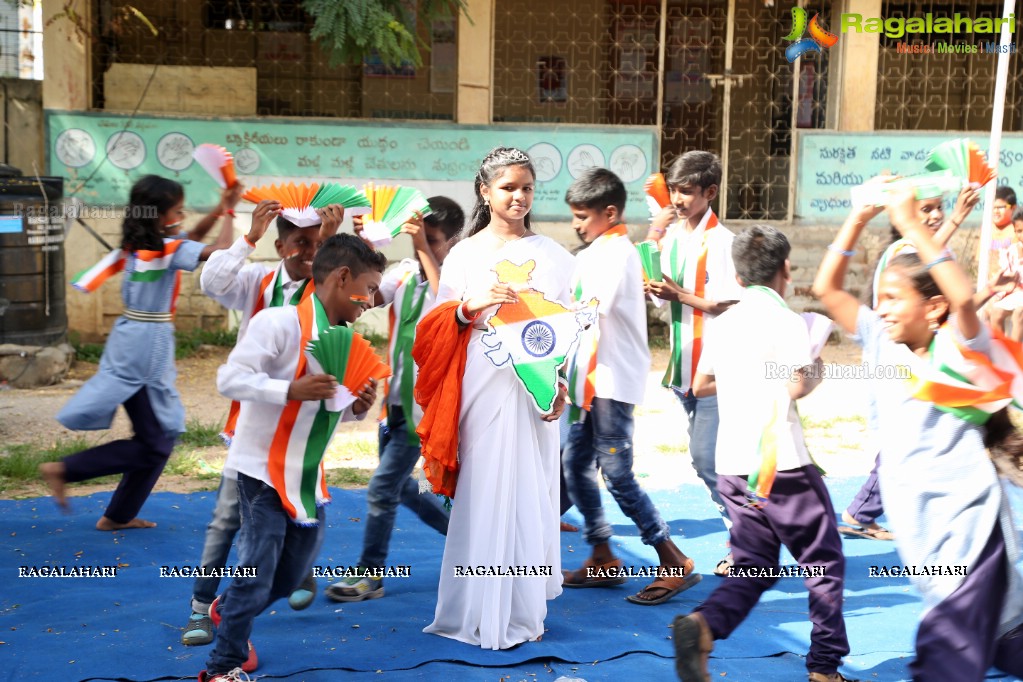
x=349, y=358
x=218, y=162
x=964, y=159
x=354, y=200
x=391, y=208
x=294, y=198
x=657, y=196
x=650, y=257
x=926, y=185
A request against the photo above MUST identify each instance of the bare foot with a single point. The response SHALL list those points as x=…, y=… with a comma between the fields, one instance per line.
x=567, y=527
x=107, y=524
x=53, y=474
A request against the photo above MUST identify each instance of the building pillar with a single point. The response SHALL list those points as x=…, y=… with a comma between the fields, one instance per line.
x=853, y=91
x=474, y=99
x=67, y=57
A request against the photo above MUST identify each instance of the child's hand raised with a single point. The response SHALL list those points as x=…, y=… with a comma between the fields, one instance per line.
x=366, y=397
x=230, y=196
x=331, y=216
x=969, y=196
x=902, y=211
x=313, y=387
x=357, y=228
x=262, y=216
x=415, y=229
x=659, y=225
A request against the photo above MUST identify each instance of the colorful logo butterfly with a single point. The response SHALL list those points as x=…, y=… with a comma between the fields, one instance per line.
x=819, y=37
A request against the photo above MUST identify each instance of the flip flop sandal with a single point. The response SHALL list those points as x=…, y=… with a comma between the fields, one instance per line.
x=868, y=533
x=567, y=527
x=671, y=584
x=724, y=566
x=602, y=575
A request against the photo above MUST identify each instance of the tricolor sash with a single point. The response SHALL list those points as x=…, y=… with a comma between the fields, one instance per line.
x=403, y=320
x=271, y=295
x=691, y=276
x=582, y=366
x=894, y=249
x=303, y=432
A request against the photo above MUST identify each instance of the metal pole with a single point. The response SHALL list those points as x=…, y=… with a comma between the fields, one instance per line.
x=994, y=146
x=660, y=73
x=726, y=110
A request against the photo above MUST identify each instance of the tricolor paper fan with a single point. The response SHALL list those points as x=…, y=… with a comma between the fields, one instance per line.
x=349, y=358
x=300, y=201
x=926, y=186
x=964, y=158
x=650, y=257
x=392, y=208
x=657, y=196
x=218, y=162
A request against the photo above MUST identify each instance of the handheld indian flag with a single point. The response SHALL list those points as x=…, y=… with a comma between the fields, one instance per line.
x=300, y=201
x=392, y=207
x=218, y=162
x=650, y=259
x=657, y=196
x=964, y=159
x=350, y=359
x=90, y=279
x=535, y=335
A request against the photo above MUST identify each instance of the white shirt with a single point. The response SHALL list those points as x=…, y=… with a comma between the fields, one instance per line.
x=258, y=373
x=232, y=282
x=610, y=271
x=752, y=351
x=720, y=283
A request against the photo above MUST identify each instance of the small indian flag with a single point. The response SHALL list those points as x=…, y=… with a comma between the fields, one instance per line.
x=90, y=279
x=151, y=265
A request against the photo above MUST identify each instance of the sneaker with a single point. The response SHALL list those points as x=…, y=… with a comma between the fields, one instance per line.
x=693, y=643
x=198, y=631
x=303, y=596
x=829, y=677
x=236, y=675
x=252, y=662
x=356, y=588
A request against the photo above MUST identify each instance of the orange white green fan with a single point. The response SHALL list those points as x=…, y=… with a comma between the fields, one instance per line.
x=657, y=196
x=349, y=358
x=964, y=158
x=218, y=162
x=392, y=207
x=300, y=201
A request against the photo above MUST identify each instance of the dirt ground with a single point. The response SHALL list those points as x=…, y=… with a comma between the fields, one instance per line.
x=833, y=419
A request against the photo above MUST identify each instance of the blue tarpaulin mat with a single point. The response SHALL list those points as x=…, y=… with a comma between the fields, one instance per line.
x=128, y=627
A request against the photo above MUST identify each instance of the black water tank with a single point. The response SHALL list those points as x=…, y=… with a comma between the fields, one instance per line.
x=33, y=309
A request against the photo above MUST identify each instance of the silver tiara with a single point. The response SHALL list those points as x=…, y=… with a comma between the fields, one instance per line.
x=509, y=154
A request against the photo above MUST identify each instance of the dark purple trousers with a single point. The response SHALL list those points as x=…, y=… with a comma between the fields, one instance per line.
x=800, y=516
x=140, y=459
x=957, y=638
x=866, y=506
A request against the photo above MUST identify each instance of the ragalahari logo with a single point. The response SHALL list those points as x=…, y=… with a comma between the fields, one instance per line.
x=818, y=36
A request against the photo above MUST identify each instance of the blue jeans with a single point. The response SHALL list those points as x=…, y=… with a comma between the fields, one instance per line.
x=282, y=554
x=703, y=441
x=219, y=537
x=604, y=439
x=391, y=484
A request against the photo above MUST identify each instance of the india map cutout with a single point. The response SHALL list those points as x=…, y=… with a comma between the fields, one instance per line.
x=536, y=335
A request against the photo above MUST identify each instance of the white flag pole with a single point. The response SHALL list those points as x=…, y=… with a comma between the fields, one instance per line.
x=995, y=145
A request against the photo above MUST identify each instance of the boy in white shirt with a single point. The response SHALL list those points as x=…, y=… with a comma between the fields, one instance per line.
x=283, y=433
x=607, y=378
x=758, y=362
x=410, y=288
x=230, y=280
x=699, y=283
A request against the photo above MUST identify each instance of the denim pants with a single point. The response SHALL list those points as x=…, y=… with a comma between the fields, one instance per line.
x=604, y=440
x=219, y=537
x=703, y=441
x=392, y=483
x=282, y=554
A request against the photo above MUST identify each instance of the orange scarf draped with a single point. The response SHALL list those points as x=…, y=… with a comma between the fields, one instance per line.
x=440, y=352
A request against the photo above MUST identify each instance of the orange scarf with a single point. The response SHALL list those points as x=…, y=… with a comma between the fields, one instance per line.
x=440, y=351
